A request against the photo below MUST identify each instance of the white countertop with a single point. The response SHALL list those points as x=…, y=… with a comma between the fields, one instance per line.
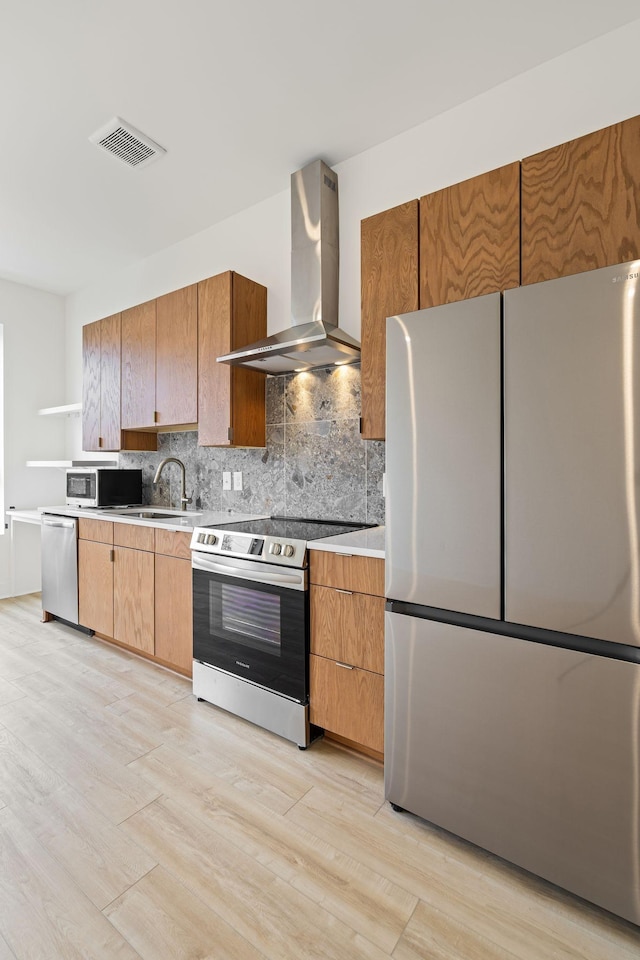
x=27, y=516
x=185, y=520
x=360, y=543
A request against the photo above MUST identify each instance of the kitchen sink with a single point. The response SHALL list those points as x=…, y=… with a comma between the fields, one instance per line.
x=174, y=515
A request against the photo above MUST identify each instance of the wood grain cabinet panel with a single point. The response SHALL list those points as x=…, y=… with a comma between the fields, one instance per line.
x=389, y=285
x=581, y=204
x=470, y=238
x=133, y=598
x=348, y=626
x=95, y=586
x=91, y=386
x=101, y=530
x=173, y=613
x=176, y=400
x=139, y=366
x=347, y=572
x=348, y=702
x=173, y=543
x=101, y=384
x=134, y=535
x=232, y=312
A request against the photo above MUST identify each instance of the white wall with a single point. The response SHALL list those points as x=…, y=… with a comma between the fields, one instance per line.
x=589, y=88
x=34, y=377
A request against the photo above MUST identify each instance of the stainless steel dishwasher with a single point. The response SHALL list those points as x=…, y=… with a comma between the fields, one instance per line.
x=60, y=567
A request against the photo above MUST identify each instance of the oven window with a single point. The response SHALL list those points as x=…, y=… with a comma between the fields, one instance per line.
x=252, y=616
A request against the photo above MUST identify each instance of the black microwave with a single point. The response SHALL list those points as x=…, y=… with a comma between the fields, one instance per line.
x=103, y=487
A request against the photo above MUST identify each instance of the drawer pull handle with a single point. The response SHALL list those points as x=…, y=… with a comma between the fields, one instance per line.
x=345, y=666
x=348, y=593
x=348, y=555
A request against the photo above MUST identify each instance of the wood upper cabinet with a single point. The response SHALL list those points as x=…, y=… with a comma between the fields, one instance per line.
x=389, y=285
x=232, y=312
x=581, y=204
x=470, y=238
x=101, y=384
x=176, y=400
x=139, y=366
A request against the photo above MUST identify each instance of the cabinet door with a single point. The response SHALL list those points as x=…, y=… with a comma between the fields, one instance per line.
x=470, y=238
x=95, y=586
x=110, y=332
x=348, y=626
x=177, y=357
x=248, y=325
x=173, y=612
x=389, y=277
x=133, y=596
x=214, y=379
x=581, y=204
x=347, y=572
x=232, y=312
x=91, y=386
x=348, y=702
x=139, y=366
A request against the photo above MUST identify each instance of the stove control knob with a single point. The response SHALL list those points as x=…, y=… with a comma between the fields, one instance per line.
x=212, y=539
x=276, y=548
x=202, y=537
x=289, y=550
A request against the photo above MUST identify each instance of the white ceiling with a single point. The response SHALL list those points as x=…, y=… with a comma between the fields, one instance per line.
x=240, y=93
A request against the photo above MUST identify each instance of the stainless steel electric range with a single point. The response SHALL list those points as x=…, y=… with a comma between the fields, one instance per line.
x=251, y=619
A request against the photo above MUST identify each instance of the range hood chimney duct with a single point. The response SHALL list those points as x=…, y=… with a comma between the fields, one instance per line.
x=314, y=338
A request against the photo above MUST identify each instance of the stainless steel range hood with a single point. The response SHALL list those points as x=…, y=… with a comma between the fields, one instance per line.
x=314, y=338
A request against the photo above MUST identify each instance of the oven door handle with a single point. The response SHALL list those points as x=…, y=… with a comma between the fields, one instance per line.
x=293, y=580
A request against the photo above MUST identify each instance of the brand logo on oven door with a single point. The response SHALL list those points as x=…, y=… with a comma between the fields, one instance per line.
x=239, y=663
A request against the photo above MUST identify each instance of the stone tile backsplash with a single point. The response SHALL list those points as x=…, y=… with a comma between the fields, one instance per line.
x=314, y=465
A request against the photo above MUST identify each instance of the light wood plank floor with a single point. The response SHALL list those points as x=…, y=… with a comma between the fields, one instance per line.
x=137, y=822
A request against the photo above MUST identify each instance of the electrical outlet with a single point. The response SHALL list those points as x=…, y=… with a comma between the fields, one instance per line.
x=237, y=480
x=226, y=480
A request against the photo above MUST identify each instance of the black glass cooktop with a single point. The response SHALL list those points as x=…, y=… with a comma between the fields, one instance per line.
x=292, y=528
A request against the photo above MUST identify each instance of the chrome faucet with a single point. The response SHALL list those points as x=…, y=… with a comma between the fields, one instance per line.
x=184, y=499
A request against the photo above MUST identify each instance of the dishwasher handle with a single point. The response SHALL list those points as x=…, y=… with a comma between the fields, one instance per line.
x=58, y=523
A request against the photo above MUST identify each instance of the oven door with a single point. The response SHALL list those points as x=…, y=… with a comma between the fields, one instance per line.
x=252, y=620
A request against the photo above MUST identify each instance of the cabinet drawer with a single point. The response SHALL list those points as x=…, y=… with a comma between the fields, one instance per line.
x=347, y=572
x=100, y=530
x=137, y=537
x=173, y=543
x=348, y=626
x=349, y=702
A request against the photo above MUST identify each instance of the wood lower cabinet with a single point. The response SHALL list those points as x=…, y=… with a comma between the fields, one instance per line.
x=133, y=598
x=347, y=648
x=348, y=701
x=174, y=612
x=174, y=608
x=581, y=204
x=95, y=586
x=470, y=238
x=389, y=285
x=232, y=312
x=134, y=586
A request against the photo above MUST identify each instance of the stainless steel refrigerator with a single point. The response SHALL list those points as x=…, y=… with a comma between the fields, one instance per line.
x=512, y=690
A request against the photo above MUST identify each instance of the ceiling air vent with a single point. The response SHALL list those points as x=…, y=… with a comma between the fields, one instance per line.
x=126, y=143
